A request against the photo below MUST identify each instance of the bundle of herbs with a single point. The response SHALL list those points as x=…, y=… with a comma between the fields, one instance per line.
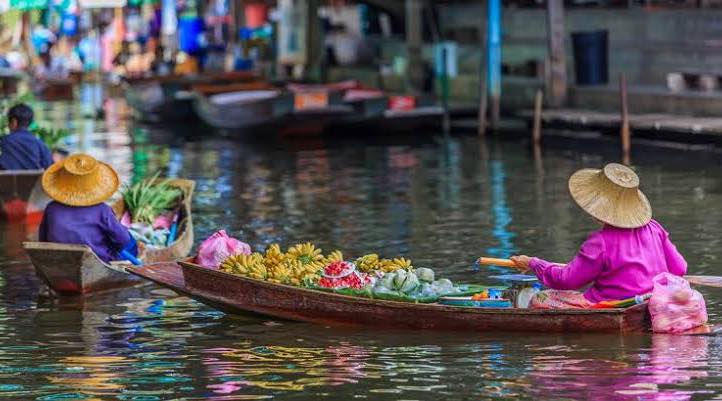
x=149, y=198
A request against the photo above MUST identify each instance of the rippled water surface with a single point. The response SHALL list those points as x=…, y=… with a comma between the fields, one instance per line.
x=440, y=201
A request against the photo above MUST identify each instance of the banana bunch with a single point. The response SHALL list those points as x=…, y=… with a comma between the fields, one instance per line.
x=301, y=264
x=307, y=254
x=335, y=256
x=368, y=263
x=391, y=265
x=245, y=265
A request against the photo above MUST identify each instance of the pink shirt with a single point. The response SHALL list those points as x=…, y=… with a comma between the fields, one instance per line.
x=618, y=262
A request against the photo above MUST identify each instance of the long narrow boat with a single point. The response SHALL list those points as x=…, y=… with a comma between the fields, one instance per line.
x=243, y=109
x=21, y=196
x=169, y=98
x=235, y=294
x=75, y=269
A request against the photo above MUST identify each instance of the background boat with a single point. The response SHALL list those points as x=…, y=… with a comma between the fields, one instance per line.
x=22, y=196
x=243, y=109
x=70, y=269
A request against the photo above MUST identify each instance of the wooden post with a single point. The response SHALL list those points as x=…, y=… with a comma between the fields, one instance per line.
x=483, y=77
x=536, y=130
x=483, y=106
x=414, y=44
x=557, y=54
x=624, y=131
x=314, y=42
x=494, y=59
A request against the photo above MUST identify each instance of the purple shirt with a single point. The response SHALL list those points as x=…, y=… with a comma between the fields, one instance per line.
x=95, y=226
x=21, y=150
x=619, y=263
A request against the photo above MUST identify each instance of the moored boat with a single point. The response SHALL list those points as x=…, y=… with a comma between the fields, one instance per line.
x=54, y=89
x=169, y=98
x=21, y=195
x=243, y=109
x=236, y=294
x=75, y=269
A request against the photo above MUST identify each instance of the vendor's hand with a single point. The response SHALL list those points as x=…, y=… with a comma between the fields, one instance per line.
x=521, y=262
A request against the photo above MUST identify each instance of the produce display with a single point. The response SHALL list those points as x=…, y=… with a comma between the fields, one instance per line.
x=148, y=199
x=150, y=214
x=369, y=276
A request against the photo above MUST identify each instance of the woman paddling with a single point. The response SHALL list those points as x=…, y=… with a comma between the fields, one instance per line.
x=78, y=186
x=621, y=259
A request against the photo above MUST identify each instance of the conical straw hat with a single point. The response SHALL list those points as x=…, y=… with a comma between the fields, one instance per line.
x=80, y=180
x=611, y=195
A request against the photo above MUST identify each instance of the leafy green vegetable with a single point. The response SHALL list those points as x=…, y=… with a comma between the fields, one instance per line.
x=147, y=199
x=50, y=136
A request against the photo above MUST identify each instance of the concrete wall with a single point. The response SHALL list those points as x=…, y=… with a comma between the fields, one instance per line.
x=646, y=45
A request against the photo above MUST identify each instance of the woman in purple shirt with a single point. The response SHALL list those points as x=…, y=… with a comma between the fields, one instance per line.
x=78, y=186
x=620, y=260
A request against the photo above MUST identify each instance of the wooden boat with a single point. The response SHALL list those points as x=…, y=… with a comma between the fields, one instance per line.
x=243, y=109
x=54, y=89
x=169, y=98
x=22, y=196
x=9, y=80
x=235, y=294
x=75, y=269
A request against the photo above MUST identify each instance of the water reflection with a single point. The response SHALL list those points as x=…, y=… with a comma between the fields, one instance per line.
x=439, y=202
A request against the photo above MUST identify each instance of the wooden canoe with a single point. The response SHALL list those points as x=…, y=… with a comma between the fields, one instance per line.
x=234, y=294
x=54, y=89
x=21, y=196
x=243, y=109
x=75, y=269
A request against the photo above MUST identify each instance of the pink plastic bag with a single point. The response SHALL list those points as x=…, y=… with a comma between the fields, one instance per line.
x=219, y=246
x=674, y=306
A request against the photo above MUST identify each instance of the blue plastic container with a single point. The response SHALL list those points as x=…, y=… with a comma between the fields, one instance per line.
x=590, y=57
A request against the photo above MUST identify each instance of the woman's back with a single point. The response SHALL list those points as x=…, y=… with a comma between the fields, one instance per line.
x=631, y=258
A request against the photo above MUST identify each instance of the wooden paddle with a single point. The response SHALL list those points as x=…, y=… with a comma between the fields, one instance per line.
x=707, y=281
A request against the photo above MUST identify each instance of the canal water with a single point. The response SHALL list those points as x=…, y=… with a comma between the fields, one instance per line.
x=440, y=201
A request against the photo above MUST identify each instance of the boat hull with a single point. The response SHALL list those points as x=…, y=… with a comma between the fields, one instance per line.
x=235, y=294
x=75, y=269
x=21, y=196
x=243, y=114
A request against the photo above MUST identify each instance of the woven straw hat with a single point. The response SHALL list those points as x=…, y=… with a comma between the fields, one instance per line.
x=80, y=180
x=611, y=195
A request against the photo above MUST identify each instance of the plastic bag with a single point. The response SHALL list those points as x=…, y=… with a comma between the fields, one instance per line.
x=674, y=306
x=219, y=246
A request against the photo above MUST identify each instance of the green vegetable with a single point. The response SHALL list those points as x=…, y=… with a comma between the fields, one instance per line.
x=443, y=286
x=149, y=198
x=410, y=283
x=425, y=274
x=399, y=278
x=50, y=136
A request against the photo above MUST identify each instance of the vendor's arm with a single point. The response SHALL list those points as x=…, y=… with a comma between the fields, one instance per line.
x=675, y=261
x=582, y=270
x=118, y=235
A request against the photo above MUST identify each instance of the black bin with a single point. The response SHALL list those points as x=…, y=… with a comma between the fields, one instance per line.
x=590, y=57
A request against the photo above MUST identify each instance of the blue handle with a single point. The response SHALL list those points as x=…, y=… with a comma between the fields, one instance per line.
x=172, y=234
x=127, y=256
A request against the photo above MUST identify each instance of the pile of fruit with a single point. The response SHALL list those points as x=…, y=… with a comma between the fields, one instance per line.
x=370, y=276
x=299, y=265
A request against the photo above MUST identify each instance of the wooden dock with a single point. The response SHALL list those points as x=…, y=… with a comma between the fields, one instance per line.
x=587, y=119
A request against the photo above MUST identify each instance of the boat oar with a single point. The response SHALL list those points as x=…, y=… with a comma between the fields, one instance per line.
x=129, y=257
x=706, y=281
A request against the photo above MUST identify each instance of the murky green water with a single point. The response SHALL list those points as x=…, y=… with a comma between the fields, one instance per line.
x=441, y=202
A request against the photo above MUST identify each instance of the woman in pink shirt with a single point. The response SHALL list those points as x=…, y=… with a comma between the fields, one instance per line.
x=620, y=260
